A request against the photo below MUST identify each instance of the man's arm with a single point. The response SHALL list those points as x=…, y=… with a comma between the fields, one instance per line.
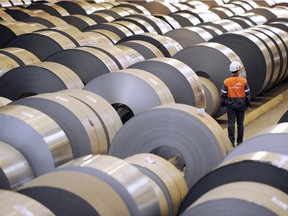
x=224, y=93
x=247, y=92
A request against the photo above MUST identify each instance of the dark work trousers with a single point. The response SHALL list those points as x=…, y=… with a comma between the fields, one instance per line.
x=238, y=115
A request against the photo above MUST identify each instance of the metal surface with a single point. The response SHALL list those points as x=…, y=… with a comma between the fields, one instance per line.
x=114, y=38
x=7, y=63
x=185, y=19
x=21, y=56
x=13, y=203
x=51, y=8
x=90, y=195
x=80, y=124
x=181, y=80
x=141, y=195
x=14, y=168
x=4, y=101
x=179, y=131
x=171, y=178
x=240, y=198
x=39, y=139
x=84, y=61
x=38, y=78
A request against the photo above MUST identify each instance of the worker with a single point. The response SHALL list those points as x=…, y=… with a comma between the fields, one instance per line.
x=235, y=96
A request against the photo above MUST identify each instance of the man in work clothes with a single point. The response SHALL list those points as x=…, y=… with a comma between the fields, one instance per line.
x=235, y=96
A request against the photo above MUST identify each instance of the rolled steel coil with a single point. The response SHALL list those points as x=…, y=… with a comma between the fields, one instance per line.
x=214, y=31
x=123, y=89
x=244, y=23
x=212, y=96
x=147, y=50
x=100, y=17
x=271, y=139
x=267, y=12
x=96, y=38
x=50, y=41
x=107, y=115
x=234, y=8
x=20, y=13
x=256, y=19
x=284, y=118
x=262, y=167
x=142, y=195
x=137, y=7
x=181, y=80
x=255, y=56
x=167, y=45
x=17, y=2
x=165, y=175
x=225, y=25
x=120, y=30
x=89, y=194
x=160, y=7
x=281, y=25
x=77, y=7
x=111, y=14
x=86, y=62
x=170, y=20
x=13, y=203
x=6, y=3
x=135, y=29
x=200, y=5
x=240, y=198
x=80, y=123
x=174, y=131
x=81, y=22
x=243, y=4
x=6, y=17
x=36, y=136
x=4, y=101
x=9, y=30
x=222, y=12
x=21, y=56
x=204, y=16
x=14, y=168
x=210, y=60
x=123, y=11
x=185, y=19
x=46, y=20
x=160, y=26
x=51, y=8
x=132, y=55
x=38, y=78
x=181, y=6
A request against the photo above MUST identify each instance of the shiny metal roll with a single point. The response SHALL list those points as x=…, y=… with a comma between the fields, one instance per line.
x=14, y=168
x=86, y=62
x=132, y=55
x=200, y=5
x=159, y=7
x=175, y=131
x=236, y=9
x=281, y=25
x=284, y=118
x=114, y=38
x=167, y=45
x=6, y=17
x=50, y=41
x=267, y=12
x=254, y=55
x=210, y=60
x=205, y=15
x=13, y=203
x=140, y=193
x=160, y=26
x=255, y=18
x=181, y=80
x=96, y=38
x=38, y=78
x=101, y=17
x=79, y=21
x=240, y=198
x=135, y=29
x=171, y=180
x=226, y=25
x=185, y=19
x=36, y=136
x=137, y=7
x=245, y=5
x=122, y=11
x=77, y=7
x=6, y=3
x=214, y=31
x=7, y=63
x=222, y=12
x=10, y=30
x=123, y=89
x=212, y=96
x=109, y=118
x=170, y=20
x=4, y=101
x=21, y=56
x=147, y=50
x=45, y=20
x=89, y=194
x=271, y=139
x=254, y=167
x=80, y=123
x=244, y=23
x=189, y=35
x=51, y=8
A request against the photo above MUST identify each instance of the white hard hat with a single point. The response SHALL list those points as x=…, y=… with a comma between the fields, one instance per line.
x=235, y=66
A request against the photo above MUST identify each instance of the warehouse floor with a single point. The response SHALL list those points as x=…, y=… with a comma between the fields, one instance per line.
x=265, y=111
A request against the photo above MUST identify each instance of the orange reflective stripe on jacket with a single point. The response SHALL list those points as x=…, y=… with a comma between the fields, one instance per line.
x=235, y=87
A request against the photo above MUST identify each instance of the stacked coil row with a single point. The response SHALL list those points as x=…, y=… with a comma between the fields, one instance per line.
x=74, y=72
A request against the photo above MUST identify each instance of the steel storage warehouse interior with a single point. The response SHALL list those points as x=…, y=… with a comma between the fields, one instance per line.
x=113, y=108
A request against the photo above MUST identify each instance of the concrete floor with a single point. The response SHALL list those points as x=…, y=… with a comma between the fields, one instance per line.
x=265, y=111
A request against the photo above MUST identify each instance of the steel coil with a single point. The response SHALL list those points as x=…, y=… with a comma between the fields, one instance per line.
x=14, y=168
x=100, y=17
x=144, y=25
x=51, y=8
x=170, y=20
x=77, y=7
x=39, y=139
x=137, y=7
x=284, y=118
x=181, y=80
x=185, y=19
x=21, y=56
x=240, y=198
x=114, y=38
x=80, y=123
x=38, y=78
x=81, y=22
x=86, y=62
x=174, y=130
x=7, y=63
x=4, y=101
x=13, y=203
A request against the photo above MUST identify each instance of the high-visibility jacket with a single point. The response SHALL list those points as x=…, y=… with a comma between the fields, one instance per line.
x=235, y=92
